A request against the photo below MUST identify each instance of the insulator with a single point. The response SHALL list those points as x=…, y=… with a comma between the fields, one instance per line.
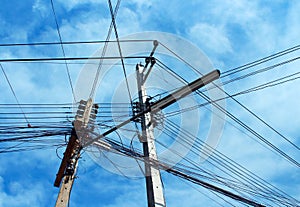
x=147, y=60
x=94, y=111
x=153, y=61
x=136, y=106
x=93, y=116
x=79, y=112
x=138, y=120
x=81, y=107
x=91, y=122
x=82, y=102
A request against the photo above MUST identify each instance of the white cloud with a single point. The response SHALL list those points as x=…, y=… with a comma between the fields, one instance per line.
x=211, y=37
x=71, y=4
x=40, y=8
x=291, y=28
x=20, y=195
x=234, y=32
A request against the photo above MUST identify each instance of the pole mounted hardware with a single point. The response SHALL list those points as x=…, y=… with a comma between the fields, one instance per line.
x=83, y=124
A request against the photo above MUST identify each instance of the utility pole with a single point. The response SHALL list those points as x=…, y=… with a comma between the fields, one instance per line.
x=84, y=122
x=67, y=170
x=155, y=195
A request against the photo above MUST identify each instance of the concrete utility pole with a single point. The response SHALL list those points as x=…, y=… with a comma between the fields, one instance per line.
x=84, y=124
x=154, y=187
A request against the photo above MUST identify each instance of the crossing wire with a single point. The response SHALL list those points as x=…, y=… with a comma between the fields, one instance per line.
x=261, y=70
x=158, y=163
x=14, y=94
x=272, y=83
x=230, y=115
x=63, y=50
x=71, y=42
x=119, y=47
x=260, y=61
x=103, y=52
x=113, y=21
x=236, y=169
x=251, y=90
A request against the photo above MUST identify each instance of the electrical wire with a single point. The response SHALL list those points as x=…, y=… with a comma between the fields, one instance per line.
x=237, y=170
x=72, y=42
x=63, y=50
x=14, y=94
x=230, y=115
x=251, y=90
x=260, y=61
x=103, y=53
x=261, y=70
x=228, y=73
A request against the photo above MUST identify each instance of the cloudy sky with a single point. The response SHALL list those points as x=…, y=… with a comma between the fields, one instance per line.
x=229, y=33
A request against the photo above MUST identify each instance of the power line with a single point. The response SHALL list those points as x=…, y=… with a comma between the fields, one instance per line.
x=137, y=155
x=243, y=106
x=119, y=46
x=230, y=115
x=63, y=51
x=71, y=42
x=260, y=61
x=69, y=58
x=103, y=52
x=15, y=96
x=261, y=70
x=222, y=161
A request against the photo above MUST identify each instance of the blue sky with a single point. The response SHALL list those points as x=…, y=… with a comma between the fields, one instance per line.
x=230, y=33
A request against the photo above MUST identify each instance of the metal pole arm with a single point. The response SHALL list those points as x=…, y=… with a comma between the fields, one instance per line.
x=184, y=91
x=166, y=101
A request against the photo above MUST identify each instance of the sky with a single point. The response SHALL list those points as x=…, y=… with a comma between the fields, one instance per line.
x=229, y=34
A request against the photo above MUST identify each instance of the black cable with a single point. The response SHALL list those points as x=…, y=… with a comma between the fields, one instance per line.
x=234, y=118
x=260, y=61
x=68, y=58
x=156, y=163
x=220, y=162
x=261, y=70
x=70, y=42
x=15, y=96
x=119, y=46
x=63, y=50
x=249, y=90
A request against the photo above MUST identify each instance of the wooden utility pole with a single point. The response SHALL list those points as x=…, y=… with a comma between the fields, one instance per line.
x=67, y=171
x=84, y=122
x=155, y=195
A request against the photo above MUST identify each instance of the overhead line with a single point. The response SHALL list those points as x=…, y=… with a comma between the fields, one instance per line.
x=223, y=161
x=261, y=70
x=102, y=54
x=70, y=42
x=260, y=61
x=69, y=58
x=119, y=47
x=15, y=96
x=156, y=163
x=63, y=51
x=230, y=115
